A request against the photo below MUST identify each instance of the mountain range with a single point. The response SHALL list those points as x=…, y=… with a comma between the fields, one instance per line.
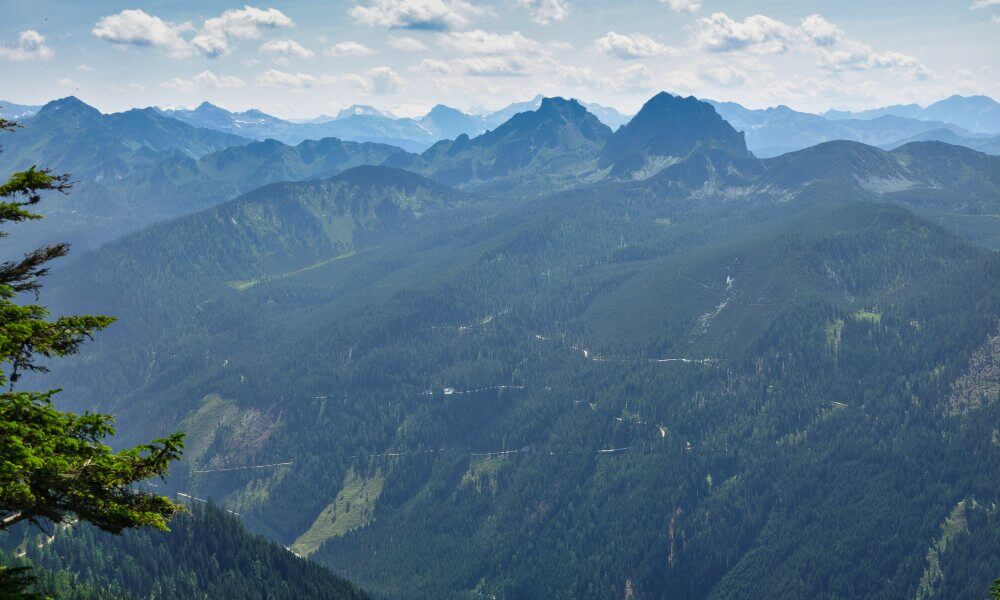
x=777, y=130
x=556, y=360
x=367, y=124
x=135, y=168
x=972, y=121
x=142, y=165
x=978, y=114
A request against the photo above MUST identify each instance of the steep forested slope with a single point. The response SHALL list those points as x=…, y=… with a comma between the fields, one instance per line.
x=206, y=554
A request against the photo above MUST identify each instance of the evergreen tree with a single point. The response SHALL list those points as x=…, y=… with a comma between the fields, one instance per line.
x=53, y=465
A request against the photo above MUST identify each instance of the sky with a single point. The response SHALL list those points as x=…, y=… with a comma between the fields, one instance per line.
x=305, y=58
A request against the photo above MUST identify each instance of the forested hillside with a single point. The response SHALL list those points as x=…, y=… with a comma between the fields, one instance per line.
x=207, y=554
x=724, y=378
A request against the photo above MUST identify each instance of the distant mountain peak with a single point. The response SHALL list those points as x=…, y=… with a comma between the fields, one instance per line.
x=566, y=112
x=364, y=110
x=671, y=127
x=558, y=138
x=557, y=102
x=444, y=109
x=69, y=104
x=447, y=122
x=209, y=108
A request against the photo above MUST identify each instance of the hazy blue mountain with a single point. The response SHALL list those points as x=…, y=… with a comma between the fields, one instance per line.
x=253, y=124
x=363, y=109
x=500, y=116
x=669, y=130
x=135, y=168
x=977, y=114
x=358, y=123
x=9, y=110
x=609, y=116
x=776, y=130
x=320, y=119
x=68, y=135
x=364, y=123
x=408, y=134
x=553, y=146
x=448, y=123
x=899, y=110
x=987, y=144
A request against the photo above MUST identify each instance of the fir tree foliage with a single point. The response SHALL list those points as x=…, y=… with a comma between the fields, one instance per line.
x=54, y=466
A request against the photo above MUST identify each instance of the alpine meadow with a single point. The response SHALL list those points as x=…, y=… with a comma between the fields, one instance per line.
x=504, y=299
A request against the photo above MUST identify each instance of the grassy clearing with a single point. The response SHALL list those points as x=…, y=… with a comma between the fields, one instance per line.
x=199, y=428
x=352, y=508
x=245, y=284
x=870, y=316
x=483, y=471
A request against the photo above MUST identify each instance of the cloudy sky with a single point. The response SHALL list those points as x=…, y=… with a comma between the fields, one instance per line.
x=300, y=59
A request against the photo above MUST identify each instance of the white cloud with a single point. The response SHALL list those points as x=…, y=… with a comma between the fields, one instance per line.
x=856, y=56
x=349, y=49
x=820, y=31
x=30, y=46
x=85, y=68
x=636, y=78
x=205, y=79
x=433, y=66
x=67, y=82
x=683, y=6
x=580, y=77
x=488, y=43
x=295, y=81
x=287, y=48
x=977, y=4
x=837, y=52
x=995, y=20
x=243, y=24
x=494, y=66
x=433, y=15
x=756, y=33
x=128, y=87
x=544, y=12
x=628, y=47
x=380, y=80
x=478, y=66
x=135, y=27
x=407, y=44
x=724, y=76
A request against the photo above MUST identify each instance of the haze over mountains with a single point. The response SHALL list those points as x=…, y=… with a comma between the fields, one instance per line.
x=551, y=357
x=972, y=121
